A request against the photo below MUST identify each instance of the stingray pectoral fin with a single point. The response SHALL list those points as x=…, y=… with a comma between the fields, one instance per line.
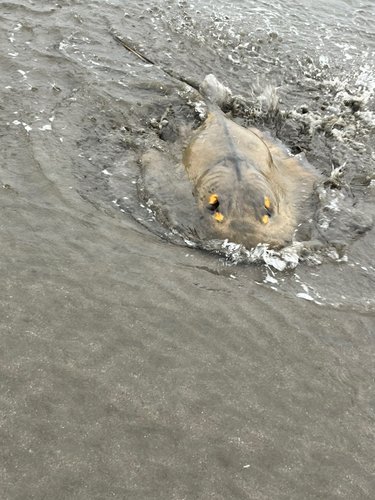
x=295, y=178
x=284, y=160
x=167, y=187
x=279, y=151
x=152, y=166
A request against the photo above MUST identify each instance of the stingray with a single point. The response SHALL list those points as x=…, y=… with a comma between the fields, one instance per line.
x=244, y=186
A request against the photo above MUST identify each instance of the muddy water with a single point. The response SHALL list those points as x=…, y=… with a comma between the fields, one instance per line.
x=134, y=366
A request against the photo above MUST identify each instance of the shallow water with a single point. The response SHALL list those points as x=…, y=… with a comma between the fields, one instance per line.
x=134, y=366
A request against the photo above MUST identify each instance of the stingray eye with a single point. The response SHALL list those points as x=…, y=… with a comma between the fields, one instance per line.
x=268, y=210
x=213, y=203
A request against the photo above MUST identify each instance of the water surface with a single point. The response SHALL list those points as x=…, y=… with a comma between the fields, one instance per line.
x=134, y=367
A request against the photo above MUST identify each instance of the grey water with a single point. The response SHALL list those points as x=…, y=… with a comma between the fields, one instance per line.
x=134, y=366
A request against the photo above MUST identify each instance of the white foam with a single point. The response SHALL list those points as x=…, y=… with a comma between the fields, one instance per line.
x=305, y=296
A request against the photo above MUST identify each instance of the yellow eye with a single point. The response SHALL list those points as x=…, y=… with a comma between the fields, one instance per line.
x=267, y=203
x=265, y=219
x=219, y=217
x=213, y=199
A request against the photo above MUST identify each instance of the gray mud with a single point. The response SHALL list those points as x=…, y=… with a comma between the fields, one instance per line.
x=136, y=368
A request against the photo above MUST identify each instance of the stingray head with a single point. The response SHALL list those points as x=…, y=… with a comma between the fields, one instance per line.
x=247, y=212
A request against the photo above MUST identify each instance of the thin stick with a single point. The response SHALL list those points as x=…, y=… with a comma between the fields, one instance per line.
x=132, y=50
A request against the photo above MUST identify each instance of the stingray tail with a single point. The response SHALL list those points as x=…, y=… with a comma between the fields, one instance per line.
x=144, y=59
x=215, y=92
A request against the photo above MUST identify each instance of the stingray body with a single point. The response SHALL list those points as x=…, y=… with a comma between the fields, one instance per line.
x=248, y=188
